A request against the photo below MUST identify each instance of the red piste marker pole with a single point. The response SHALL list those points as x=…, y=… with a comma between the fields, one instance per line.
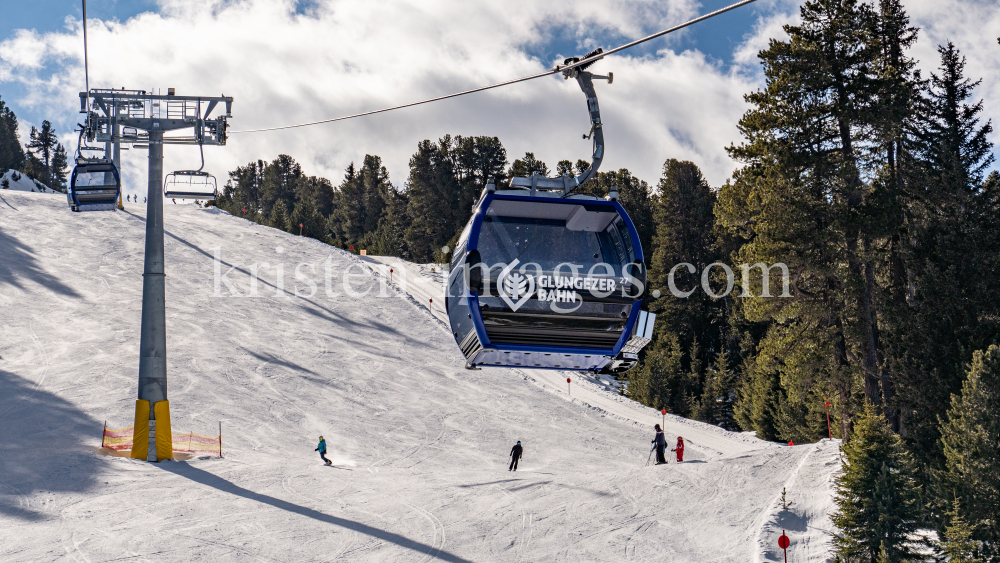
x=663, y=423
x=569, y=390
x=783, y=543
x=390, y=275
x=300, y=229
x=828, y=430
x=430, y=306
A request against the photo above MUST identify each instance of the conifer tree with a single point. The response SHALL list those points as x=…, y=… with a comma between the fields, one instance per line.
x=565, y=168
x=759, y=395
x=279, y=216
x=279, y=181
x=320, y=191
x=525, y=167
x=375, y=187
x=802, y=200
x=11, y=153
x=46, y=158
x=970, y=438
x=658, y=382
x=716, y=403
x=683, y=219
x=60, y=167
x=476, y=160
x=386, y=240
x=431, y=189
x=243, y=189
x=347, y=221
x=951, y=250
x=954, y=143
x=877, y=494
x=957, y=544
x=305, y=214
x=43, y=145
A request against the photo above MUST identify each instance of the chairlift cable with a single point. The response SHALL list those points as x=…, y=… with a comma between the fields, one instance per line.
x=558, y=69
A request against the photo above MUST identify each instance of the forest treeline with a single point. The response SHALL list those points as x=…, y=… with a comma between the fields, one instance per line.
x=43, y=158
x=868, y=181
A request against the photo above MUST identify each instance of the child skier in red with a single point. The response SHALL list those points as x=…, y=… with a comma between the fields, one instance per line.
x=680, y=449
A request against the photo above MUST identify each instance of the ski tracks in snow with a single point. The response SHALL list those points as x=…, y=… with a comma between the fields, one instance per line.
x=378, y=377
x=526, y=523
x=808, y=489
x=437, y=539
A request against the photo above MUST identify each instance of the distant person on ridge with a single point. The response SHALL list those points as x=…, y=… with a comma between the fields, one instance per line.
x=660, y=443
x=679, y=449
x=515, y=454
x=321, y=448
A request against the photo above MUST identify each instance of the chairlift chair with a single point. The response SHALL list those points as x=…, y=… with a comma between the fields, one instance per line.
x=190, y=184
x=544, y=278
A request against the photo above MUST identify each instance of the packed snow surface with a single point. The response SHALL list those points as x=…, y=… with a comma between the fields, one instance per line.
x=420, y=445
x=17, y=181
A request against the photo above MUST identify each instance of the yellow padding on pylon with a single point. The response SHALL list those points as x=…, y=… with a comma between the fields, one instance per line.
x=164, y=441
x=140, y=435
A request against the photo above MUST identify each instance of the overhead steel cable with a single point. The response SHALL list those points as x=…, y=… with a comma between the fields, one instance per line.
x=557, y=69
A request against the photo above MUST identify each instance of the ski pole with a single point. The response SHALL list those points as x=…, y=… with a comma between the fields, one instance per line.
x=650, y=455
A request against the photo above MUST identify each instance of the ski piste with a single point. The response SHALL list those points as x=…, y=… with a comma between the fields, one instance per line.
x=379, y=377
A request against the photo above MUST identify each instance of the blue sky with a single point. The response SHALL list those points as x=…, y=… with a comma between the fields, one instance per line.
x=46, y=16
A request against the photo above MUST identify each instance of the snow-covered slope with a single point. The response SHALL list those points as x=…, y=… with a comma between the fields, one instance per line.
x=19, y=182
x=419, y=444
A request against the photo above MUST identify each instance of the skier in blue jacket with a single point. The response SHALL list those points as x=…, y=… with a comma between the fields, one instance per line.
x=321, y=448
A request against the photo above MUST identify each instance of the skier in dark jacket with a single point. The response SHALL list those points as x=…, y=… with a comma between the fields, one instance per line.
x=515, y=454
x=321, y=448
x=660, y=443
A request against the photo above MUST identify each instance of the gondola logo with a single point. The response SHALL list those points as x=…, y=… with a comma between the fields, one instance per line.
x=515, y=288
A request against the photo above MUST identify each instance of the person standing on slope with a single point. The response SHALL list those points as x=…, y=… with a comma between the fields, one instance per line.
x=660, y=443
x=321, y=448
x=515, y=454
x=679, y=448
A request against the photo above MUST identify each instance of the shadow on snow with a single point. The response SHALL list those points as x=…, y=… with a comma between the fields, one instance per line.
x=218, y=483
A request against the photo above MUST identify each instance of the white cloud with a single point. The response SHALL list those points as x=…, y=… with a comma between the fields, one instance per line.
x=354, y=56
x=345, y=57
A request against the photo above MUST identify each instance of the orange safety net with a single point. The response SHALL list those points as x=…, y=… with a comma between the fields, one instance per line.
x=198, y=443
x=118, y=439
x=190, y=443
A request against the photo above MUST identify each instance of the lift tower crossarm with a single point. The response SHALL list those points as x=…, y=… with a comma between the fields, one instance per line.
x=108, y=111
